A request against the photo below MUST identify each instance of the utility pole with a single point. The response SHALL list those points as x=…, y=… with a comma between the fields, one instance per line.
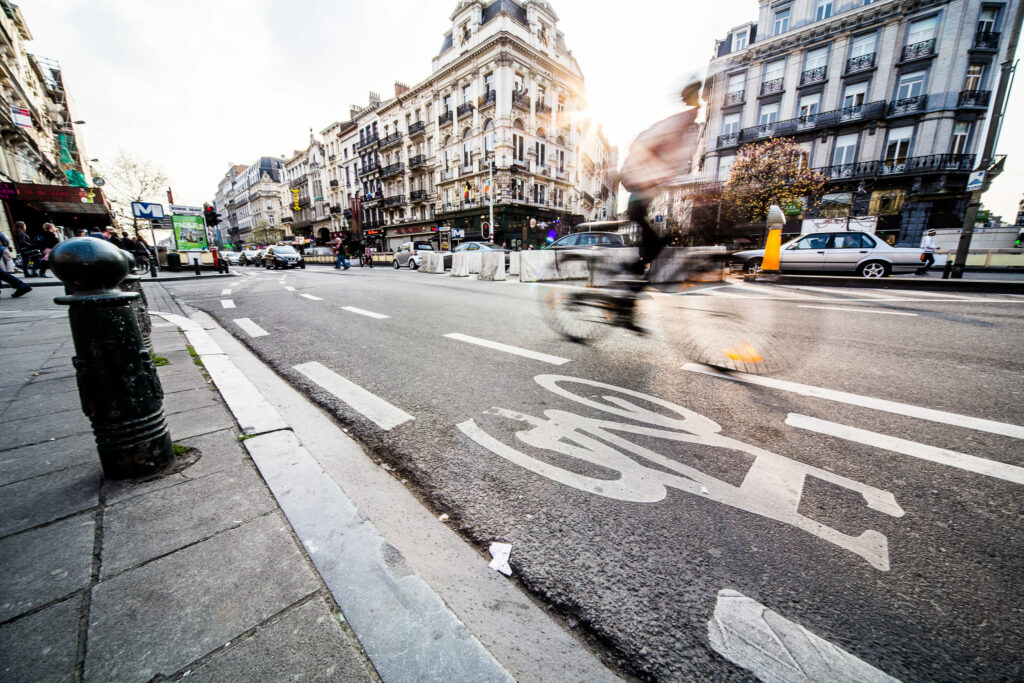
x=987, y=165
x=490, y=196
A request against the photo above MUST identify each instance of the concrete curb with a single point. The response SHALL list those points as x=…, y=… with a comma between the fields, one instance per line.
x=918, y=283
x=34, y=283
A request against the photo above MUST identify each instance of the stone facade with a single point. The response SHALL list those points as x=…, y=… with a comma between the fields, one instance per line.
x=252, y=197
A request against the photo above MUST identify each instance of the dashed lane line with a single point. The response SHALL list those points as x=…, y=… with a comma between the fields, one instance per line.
x=251, y=328
x=227, y=303
x=942, y=456
x=289, y=288
x=311, y=297
x=369, y=314
x=372, y=407
x=941, y=416
x=498, y=346
x=225, y=292
x=856, y=310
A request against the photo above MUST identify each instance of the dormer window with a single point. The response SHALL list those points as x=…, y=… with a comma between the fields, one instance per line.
x=466, y=33
x=739, y=40
x=542, y=34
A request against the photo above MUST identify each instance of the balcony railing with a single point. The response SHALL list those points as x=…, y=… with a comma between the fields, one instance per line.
x=860, y=63
x=974, y=98
x=811, y=122
x=448, y=174
x=587, y=197
x=368, y=142
x=393, y=169
x=733, y=98
x=445, y=118
x=333, y=183
x=987, y=40
x=417, y=128
x=394, y=200
x=464, y=108
x=908, y=105
x=390, y=140
x=417, y=161
x=368, y=169
x=418, y=196
x=488, y=99
x=521, y=99
x=543, y=108
x=728, y=140
x=372, y=198
x=815, y=75
x=773, y=86
x=906, y=166
x=924, y=48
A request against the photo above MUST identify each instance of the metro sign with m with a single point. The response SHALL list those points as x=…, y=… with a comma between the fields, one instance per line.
x=146, y=210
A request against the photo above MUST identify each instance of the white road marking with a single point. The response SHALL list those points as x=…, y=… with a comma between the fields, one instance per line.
x=289, y=288
x=773, y=648
x=942, y=456
x=954, y=419
x=374, y=408
x=856, y=310
x=225, y=292
x=251, y=328
x=311, y=297
x=498, y=346
x=360, y=311
x=227, y=303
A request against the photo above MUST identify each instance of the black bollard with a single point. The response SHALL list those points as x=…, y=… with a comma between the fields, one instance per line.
x=152, y=267
x=133, y=283
x=117, y=381
x=195, y=263
x=947, y=269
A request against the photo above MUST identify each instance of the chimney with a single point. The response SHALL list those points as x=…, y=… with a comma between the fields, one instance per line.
x=400, y=89
x=374, y=98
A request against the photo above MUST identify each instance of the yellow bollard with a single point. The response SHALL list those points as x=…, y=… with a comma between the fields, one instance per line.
x=772, y=247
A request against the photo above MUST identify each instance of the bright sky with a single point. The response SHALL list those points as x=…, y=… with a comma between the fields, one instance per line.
x=195, y=85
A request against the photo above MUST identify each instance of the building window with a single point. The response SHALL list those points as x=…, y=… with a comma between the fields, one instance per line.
x=489, y=137
x=488, y=83
x=987, y=19
x=725, y=167
x=466, y=93
x=447, y=104
x=736, y=83
x=816, y=58
x=805, y=154
x=863, y=45
x=769, y=114
x=561, y=104
x=542, y=151
x=854, y=95
x=561, y=160
x=518, y=147
x=910, y=85
x=517, y=82
x=922, y=30
x=731, y=124
x=781, y=21
x=975, y=79
x=538, y=193
x=774, y=70
x=823, y=10
x=808, y=105
x=542, y=94
x=846, y=150
x=961, y=134
x=898, y=148
x=739, y=41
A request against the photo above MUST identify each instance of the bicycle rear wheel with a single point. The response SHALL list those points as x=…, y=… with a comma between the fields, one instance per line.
x=577, y=316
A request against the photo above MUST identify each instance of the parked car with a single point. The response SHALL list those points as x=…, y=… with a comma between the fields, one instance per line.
x=282, y=256
x=587, y=239
x=409, y=254
x=232, y=257
x=474, y=247
x=248, y=257
x=836, y=252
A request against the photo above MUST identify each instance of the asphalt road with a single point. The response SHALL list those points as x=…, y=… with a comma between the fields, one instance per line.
x=872, y=498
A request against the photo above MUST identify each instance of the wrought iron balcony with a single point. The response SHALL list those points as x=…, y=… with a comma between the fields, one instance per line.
x=417, y=161
x=418, y=196
x=333, y=183
x=347, y=213
x=390, y=140
x=336, y=208
x=728, y=140
x=813, y=122
x=974, y=98
x=445, y=118
x=367, y=169
x=860, y=63
x=924, y=48
x=520, y=99
x=393, y=169
x=543, y=108
x=815, y=75
x=394, y=200
x=417, y=128
x=464, y=108
x=986, y=40
x=488, y=99
x=587, y=197
x=368, y=142
x=937, y=163
x=775, y=85
x=908, y=105
x=733, y=98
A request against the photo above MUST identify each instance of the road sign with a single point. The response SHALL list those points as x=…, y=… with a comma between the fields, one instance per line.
x=659, y=219
x=458, y=233
x=98, y=181
x=146, y=210
x=975, y=181
x=179, y=210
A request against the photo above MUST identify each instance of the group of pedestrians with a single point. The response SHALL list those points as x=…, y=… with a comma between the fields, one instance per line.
x=346, y=250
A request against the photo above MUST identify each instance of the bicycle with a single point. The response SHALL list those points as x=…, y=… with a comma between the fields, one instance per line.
x=675, y=294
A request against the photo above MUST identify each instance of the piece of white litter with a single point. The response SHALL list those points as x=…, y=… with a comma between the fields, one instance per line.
x=704, y=490
x=501, y=552
x=386, y=466
x=444, y=516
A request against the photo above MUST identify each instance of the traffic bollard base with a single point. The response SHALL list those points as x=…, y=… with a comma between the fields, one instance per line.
x=136, y=460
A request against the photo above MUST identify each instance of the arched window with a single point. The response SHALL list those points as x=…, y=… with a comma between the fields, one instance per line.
x=560, y=141
x=541, y=135
x=518, y=124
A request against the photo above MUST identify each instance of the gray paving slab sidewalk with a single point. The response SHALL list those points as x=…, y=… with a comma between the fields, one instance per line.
x=196, y=573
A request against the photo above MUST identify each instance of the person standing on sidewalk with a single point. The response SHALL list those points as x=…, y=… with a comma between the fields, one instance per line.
x=49, y=241
x=26, y=249
x=368, y=255
x=929, y=253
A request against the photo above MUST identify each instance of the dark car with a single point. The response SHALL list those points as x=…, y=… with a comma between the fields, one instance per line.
x=478, y=247
x=282, y=256
x=582, y=240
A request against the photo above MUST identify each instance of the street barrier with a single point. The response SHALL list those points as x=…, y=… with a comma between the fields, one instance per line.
x=460, y=264
x=513, y=263
x=547, y=264
x=117, y=380
x=611, y=266
x=492, y=265
x=432, y=263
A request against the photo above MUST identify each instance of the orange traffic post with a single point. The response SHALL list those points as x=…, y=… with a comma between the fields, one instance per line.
x=772, y=247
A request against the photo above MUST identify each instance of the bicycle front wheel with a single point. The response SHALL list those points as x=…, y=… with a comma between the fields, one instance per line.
x=575, y=315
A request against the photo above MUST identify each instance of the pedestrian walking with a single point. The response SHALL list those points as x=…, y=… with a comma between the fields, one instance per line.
x=20, y=288
x=341, y=249
x=26, y=249
x=47, y=242
x=368, y=255
x=112, y=237
x=929, y=249
x=6, y=260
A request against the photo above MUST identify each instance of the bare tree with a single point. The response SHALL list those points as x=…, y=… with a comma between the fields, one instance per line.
x=132, y=179
x=263, y=233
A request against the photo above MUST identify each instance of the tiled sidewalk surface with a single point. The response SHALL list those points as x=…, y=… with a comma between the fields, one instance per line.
x=196, y=573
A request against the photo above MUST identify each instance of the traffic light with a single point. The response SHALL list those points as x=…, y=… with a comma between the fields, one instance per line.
x=210, y=216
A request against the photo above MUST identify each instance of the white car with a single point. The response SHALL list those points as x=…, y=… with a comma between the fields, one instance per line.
x=411, y=254
x=836, y=252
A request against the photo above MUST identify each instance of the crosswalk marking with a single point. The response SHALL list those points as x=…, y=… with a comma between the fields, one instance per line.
x=369, y=314
x=857, y=310
x=954, y=419
x=251, y=328
x=498, y=346
x=289, y=288
x=372, y=407
x=311, y=297
x=227, y=303
x=942, y=456
x=225, y=292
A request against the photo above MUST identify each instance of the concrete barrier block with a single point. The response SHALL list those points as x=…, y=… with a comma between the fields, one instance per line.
x=537, y=266
x=492, y=265
x=476, y=260
x=513, y=263
x=460, y=264
x=432, y=263
x=612, y=266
